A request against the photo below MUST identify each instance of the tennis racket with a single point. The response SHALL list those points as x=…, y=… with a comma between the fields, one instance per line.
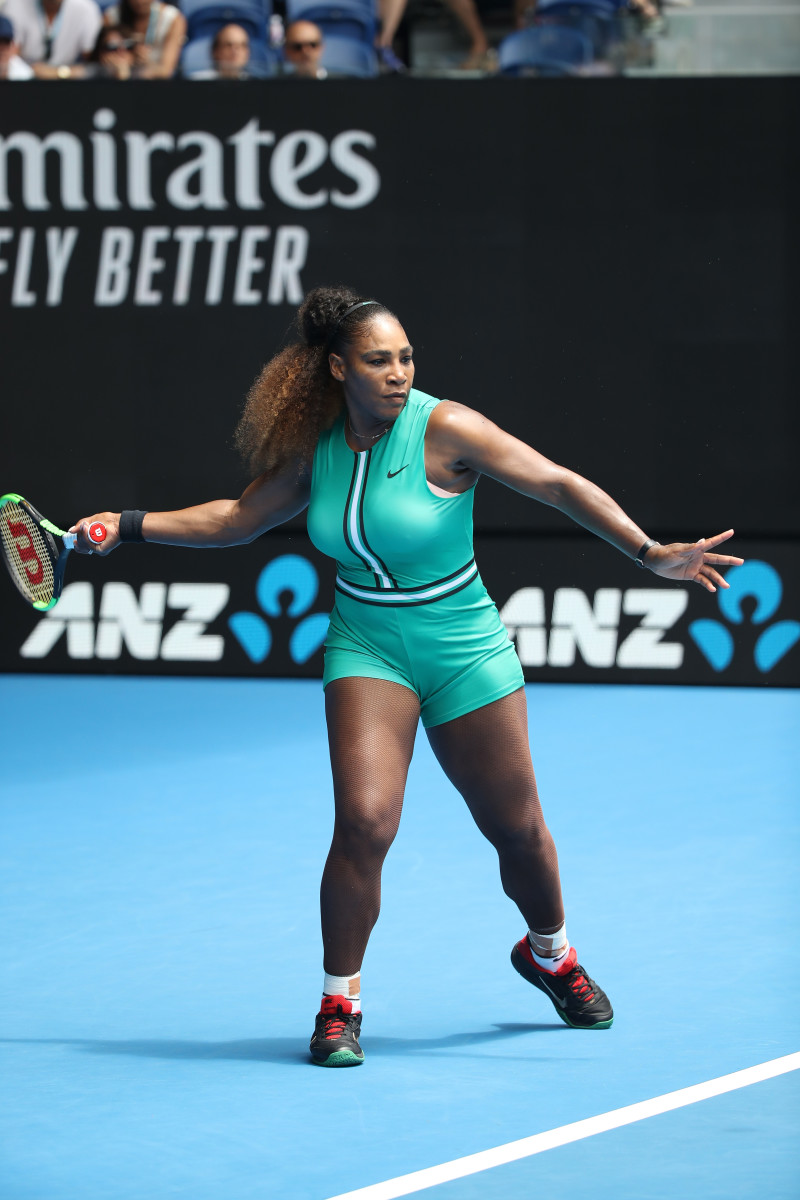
x=34, y=559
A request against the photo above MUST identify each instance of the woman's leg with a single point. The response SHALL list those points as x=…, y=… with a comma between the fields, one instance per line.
x=371, y=728
x=485, y=754
x=391, y=12
x=467, y=13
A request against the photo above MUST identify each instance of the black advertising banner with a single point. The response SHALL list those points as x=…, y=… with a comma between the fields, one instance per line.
x=576, y=609
x=607, y=268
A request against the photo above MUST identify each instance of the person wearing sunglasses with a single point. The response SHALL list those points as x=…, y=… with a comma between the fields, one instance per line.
x=302, y=50
x=112, y=57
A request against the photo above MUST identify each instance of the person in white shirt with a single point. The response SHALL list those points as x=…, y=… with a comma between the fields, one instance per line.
x=54, y=35
x=11, y=65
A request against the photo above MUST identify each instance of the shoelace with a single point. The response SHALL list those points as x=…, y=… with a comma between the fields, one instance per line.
x=580, y=985
x=334, y=1027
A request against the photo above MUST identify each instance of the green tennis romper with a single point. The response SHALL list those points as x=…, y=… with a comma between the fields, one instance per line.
x=410, y=604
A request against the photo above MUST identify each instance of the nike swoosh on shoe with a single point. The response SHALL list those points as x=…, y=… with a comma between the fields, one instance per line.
x=561, y=1003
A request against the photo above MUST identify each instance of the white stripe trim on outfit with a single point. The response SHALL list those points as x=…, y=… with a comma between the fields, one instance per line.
x=359, y=544
x=431, y=591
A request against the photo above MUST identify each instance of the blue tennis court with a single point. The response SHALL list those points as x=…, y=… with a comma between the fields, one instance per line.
x=162, y=842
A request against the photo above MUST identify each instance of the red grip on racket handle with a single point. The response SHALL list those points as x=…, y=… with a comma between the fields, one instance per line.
x=97, y=532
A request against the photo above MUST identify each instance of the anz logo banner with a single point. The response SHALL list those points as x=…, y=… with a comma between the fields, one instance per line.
x=575, y=610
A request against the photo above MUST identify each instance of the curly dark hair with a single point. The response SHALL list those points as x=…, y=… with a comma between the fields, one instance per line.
x=295, y=397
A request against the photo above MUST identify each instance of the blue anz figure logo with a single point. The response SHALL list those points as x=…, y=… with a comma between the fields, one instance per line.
x=755, y=581
x=295, y=575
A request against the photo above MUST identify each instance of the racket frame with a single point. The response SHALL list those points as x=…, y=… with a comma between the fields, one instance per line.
x=58, y=558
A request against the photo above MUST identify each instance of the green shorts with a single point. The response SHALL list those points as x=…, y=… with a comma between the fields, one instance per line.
x=454, y=652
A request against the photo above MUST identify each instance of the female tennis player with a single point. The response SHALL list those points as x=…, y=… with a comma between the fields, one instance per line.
x=387, y=473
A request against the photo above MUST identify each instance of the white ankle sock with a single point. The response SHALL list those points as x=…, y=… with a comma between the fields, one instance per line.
x=543, y=944
x=348, y=986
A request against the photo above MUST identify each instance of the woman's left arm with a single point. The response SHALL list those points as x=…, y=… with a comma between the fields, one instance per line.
x=170, y=52
x=465, y=441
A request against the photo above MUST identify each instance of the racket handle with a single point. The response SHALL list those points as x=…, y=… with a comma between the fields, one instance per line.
x=96, y=533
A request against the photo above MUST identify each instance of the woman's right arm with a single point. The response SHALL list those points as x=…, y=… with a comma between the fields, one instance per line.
x=269, y=501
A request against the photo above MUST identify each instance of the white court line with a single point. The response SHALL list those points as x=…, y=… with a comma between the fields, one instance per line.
x=404, y=1185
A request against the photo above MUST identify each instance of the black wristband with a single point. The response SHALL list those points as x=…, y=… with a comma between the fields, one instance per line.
x=648, y=545
x=130, y=525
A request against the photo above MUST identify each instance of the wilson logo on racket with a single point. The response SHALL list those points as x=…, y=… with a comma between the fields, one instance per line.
x=23, y=544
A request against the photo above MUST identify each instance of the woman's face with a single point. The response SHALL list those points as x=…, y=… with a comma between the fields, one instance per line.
x=377, y=370
x=115, y=50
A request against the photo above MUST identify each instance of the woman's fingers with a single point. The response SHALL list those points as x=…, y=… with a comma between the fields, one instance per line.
x=715, y=577
x=723, y=560
x=85, y=545
x=710, y=543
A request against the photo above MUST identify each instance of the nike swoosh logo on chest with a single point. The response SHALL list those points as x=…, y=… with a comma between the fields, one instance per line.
x=391, y=474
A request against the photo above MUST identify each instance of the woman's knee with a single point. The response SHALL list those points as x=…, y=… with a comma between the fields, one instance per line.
x=522, y=833
x=366, y=830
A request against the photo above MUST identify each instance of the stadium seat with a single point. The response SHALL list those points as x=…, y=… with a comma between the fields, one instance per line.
x=345, y=56
x=544, y=50
x=205, y=19
x=339, y=18
x=606, y=8
x=196, y=56
x=604, y=32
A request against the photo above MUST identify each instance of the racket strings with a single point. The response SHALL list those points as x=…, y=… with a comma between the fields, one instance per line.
x=27, y=553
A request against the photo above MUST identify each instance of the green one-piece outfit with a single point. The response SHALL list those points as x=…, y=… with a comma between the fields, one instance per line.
x=410, y=604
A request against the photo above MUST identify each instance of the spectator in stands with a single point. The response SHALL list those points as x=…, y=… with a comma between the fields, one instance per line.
x=11, y=65
x=54, y=35
x=302, y=50
x=230, y=55
x=157, y=30
x=480, y=58
x=230, y=52
x=112, y=57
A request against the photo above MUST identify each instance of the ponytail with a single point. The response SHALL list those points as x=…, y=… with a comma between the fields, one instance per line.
x=295, y=398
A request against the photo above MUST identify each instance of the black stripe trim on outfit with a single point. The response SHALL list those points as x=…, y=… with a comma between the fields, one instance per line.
x=398, y=601
x=362, y=529
x=348, y=543
x=411, y=595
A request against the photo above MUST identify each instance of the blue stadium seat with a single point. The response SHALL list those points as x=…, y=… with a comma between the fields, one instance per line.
x=606, y=33
x=606, y=8
x=196, y=56
x=339, y=18
x=205, y=19
x=345, y=56
x=544, y=50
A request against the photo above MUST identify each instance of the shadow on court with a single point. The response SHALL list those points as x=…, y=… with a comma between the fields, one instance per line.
x=283, y=1050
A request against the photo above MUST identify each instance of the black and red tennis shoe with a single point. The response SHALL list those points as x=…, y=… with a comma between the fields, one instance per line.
x=576, y=997
x=335, y=1040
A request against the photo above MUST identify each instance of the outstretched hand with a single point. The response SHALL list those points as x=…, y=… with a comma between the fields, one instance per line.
x=693, y=560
